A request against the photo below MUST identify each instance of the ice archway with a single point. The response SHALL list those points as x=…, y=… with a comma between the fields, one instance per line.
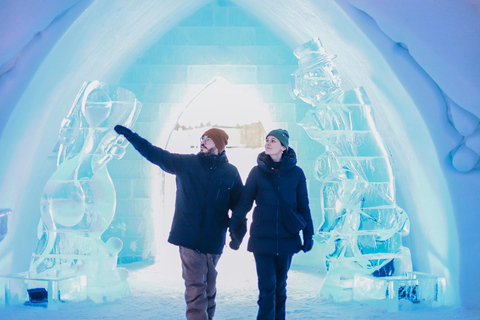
x=98, y=40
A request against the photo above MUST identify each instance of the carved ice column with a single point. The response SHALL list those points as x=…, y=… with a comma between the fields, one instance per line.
x=362, y=228
x=78, y=201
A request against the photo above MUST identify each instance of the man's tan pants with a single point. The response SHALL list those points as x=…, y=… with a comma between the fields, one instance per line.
x=198, y=271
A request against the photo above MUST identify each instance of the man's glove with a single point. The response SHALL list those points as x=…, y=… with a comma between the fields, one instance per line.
x=307, y=244
x=122, y=130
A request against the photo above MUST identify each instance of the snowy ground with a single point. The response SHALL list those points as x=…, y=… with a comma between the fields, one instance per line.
x=157, y=293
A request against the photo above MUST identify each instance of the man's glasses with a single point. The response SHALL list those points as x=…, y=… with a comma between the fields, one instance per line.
x=205, y=139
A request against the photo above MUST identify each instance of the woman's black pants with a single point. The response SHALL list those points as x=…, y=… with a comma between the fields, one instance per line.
x=272, y=283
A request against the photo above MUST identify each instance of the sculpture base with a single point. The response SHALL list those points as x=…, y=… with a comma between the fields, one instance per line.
x=26, y=289
x=410, y=291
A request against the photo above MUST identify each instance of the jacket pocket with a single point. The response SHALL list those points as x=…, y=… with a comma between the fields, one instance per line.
x=222, y=195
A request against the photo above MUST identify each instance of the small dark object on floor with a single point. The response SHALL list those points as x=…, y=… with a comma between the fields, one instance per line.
x=37, y=297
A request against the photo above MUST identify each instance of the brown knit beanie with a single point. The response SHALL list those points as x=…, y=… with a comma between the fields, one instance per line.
x=219, y=137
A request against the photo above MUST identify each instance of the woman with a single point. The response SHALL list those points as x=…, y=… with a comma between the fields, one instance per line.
x=275, y=183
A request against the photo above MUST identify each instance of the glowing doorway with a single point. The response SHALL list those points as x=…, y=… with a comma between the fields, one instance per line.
x=241, y=112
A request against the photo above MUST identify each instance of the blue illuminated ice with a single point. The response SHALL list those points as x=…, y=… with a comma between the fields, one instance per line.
x=78, y=201
x=4, y=222
x=362, y=226
x=450, y=58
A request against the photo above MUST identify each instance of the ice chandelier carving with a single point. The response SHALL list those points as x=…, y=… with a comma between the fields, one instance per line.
x=362, y=226
x=78, y=201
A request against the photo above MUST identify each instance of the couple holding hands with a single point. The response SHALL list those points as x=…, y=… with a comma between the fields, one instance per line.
x=208, y=187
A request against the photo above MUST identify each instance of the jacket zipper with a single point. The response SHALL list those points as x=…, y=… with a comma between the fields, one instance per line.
x=278, y=214
x=204, y=209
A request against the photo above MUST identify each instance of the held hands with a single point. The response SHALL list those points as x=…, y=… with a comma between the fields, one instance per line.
x=238, y=229
x=307, y=244
x=235, y=242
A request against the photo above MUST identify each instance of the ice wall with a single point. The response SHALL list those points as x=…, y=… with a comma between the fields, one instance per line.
x=22, y=50
x=407, y=61
x=431, y=32
x=84, y=45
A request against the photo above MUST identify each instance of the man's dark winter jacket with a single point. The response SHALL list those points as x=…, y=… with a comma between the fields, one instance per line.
x=207, y=187
x=267, y=233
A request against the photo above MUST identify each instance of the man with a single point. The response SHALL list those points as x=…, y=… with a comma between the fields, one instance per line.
x=207, y=187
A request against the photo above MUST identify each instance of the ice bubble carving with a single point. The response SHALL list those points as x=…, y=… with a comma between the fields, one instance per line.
x=78, y=201
x=362, y=228
x=466, y=155
x=4, y=213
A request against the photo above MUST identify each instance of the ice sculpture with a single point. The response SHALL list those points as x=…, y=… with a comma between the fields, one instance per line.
x=78, y=201
x=362, y=225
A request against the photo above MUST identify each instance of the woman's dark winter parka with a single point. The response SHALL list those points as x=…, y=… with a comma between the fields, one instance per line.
x=267, y=233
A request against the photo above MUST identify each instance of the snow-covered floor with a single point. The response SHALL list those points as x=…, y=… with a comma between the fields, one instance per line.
x=157, y=293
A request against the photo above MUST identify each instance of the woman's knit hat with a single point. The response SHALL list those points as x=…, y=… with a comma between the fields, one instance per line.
x=219, y=137
x=281, y=135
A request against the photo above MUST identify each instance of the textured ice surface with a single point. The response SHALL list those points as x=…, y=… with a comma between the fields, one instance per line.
x=362, y=226
x=4, y=213
x=78, y=201
x=409, y=291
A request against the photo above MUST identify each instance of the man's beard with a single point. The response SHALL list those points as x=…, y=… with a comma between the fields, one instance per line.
x=208, y=152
